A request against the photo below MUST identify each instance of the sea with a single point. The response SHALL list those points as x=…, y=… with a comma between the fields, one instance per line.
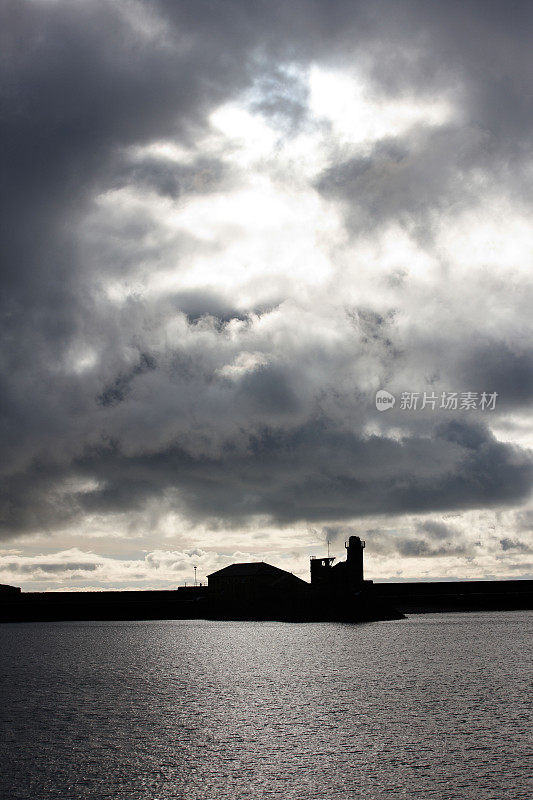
x=433, y=706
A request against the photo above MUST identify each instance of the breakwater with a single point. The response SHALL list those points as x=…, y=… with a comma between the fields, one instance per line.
x=384, y=600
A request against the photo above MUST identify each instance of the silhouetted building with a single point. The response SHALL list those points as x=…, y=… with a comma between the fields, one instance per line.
x=260, y=591
x=321, y=571
x=192, y=592
x=346, y=575
x=253, y=582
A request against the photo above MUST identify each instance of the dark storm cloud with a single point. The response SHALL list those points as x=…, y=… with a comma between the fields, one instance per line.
x=121, y=386
x=506, y=367
x=30, y=500
x=201, y=303
x=484, y=46
x=316, y=473
x=482, y=50
x=408, y=179
x=433, y=540
x=515, y=545
x=411, y=547
x=169, y=179
x=80, y=84
x=79, y=81
x=436, y=530
x=269, y=388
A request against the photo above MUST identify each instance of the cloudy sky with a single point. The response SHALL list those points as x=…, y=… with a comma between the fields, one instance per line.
x=225, y=226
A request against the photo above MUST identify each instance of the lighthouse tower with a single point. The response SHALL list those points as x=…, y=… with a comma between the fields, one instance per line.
x=354, y=560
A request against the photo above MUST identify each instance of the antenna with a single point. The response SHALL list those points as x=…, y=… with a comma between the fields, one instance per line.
x=195, y=568
x=328, y=548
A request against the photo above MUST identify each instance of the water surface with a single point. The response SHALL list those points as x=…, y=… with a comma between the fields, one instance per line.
x=435, y=706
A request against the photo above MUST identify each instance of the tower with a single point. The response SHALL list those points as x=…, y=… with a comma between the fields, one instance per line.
x=354, y=560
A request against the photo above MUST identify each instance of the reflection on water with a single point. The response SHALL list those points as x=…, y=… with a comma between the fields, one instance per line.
x=434, y=706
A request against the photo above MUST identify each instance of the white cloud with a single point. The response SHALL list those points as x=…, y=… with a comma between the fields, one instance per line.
x=246, y=244
x=360, y=116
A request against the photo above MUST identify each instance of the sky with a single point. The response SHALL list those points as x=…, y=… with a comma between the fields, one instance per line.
x=226, y=226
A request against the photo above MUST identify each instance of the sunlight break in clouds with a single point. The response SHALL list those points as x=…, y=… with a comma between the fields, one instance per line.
x=224, y=233
x=359, y=116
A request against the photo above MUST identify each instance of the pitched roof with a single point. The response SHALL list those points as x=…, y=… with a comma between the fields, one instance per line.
x=250, y=568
